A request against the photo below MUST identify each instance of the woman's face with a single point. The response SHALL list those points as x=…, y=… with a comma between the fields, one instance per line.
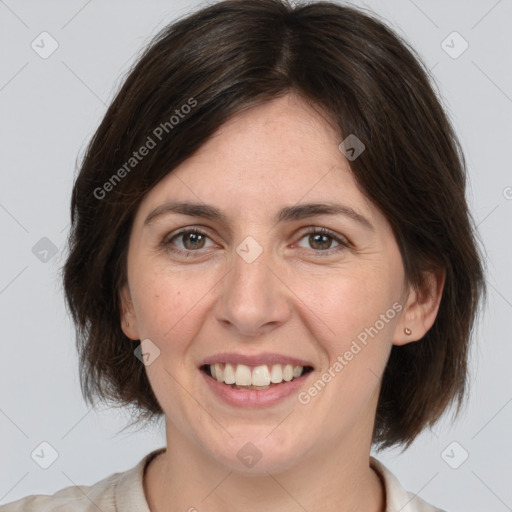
x=256, y=292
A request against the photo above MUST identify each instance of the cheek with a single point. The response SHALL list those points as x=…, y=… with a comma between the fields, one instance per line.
x=353, y=313
x=350, y=299
x=159, y=303
x=168, y=303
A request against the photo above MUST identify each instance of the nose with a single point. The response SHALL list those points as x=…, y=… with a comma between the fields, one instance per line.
x=253, y=297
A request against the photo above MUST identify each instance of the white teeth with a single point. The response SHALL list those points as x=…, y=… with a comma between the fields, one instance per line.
x=243, y=375
x=259, y=376
x=288, y=372
x=218, y=373
x=229, y=374
x=276, y=375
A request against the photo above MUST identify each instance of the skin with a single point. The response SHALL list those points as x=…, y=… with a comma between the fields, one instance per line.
x=292, y=300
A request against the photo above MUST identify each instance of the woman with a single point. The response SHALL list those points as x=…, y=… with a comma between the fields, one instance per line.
x=271, y=247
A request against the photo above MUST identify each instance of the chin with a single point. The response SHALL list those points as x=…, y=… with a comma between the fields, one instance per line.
x=258, y=453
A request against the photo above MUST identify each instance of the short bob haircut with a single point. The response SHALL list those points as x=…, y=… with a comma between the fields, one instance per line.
x=365, y=80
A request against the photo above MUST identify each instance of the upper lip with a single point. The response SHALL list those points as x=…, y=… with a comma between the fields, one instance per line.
x=255, y=360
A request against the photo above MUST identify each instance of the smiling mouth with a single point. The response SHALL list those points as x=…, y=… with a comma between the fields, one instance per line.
x=241, y=376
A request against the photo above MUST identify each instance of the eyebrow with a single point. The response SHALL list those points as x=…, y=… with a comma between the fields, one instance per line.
x=285, y=214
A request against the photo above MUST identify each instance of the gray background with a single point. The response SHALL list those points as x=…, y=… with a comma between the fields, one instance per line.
x=50, y=109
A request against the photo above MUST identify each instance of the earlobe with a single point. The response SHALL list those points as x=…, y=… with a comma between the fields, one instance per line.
x=421, y=309
x=128, y=319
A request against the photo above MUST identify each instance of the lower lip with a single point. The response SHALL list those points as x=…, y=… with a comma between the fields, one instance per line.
x=252, y=397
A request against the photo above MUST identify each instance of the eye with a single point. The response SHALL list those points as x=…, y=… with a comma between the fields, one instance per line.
x=321, y=239
x=192, y=239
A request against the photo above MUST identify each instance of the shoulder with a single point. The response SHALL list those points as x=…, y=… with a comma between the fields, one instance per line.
x=81, y=498
x=397, y=498
x=119, y=491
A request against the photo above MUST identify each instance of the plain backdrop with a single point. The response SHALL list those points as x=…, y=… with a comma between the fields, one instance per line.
x=50, y=108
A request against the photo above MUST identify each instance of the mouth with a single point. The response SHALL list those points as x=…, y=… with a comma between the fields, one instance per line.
x=259, y=378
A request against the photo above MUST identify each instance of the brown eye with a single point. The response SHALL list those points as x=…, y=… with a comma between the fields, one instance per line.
x=320, y=240
x=192, y=241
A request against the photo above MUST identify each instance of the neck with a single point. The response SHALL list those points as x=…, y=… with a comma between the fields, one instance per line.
x=185, y=478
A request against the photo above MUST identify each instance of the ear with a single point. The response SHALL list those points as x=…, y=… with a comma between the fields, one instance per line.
x=128, y=318
x=421, y=309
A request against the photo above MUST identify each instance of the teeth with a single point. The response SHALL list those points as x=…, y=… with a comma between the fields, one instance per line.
x=288, y=372
x=218, y=373
x=259, y=376
x=276, y=376
x=229, y=374
x=243, y=375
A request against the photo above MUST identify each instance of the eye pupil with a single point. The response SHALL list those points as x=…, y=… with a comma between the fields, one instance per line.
x=194, y=238
x=317, y=236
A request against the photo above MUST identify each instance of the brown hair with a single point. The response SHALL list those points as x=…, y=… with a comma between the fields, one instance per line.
x=231, y=56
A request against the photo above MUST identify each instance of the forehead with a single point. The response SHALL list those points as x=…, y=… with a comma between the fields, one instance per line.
x=279, y=153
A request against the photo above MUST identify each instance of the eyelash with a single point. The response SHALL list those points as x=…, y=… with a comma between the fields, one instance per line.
x=166, y=242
